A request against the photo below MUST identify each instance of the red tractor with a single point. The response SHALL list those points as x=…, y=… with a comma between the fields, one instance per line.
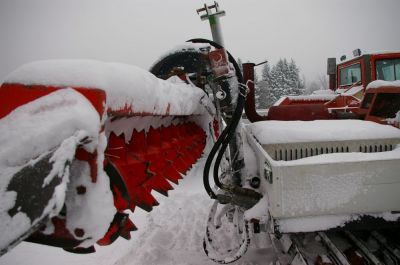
x=349, y=81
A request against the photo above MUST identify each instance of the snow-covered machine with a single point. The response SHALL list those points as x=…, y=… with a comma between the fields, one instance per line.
x=321, y=163
x=83, y=141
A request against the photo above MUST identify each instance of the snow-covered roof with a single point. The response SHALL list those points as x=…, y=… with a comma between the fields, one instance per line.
x=279, y=132
x=368, y=53
x=125, y=85
x=381, y=83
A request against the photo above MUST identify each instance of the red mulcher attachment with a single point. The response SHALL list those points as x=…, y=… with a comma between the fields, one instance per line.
x=148, y=161
x=137, y=159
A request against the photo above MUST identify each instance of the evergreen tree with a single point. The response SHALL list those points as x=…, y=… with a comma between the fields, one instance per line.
x=263, y=92
x=257, y=88
x=285, y=79
x=266, y=73
x=279, y=75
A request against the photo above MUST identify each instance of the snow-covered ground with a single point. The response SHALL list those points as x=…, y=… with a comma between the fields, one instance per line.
x=171, y=234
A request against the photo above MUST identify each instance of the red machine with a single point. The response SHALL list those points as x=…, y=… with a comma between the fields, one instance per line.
x=348, y=81
x=84, y=141
x=112, y=140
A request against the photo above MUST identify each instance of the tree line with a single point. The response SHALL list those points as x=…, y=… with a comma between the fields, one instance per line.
x=282, y=79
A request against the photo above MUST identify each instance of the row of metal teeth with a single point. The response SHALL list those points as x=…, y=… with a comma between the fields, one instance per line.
x=151, y=159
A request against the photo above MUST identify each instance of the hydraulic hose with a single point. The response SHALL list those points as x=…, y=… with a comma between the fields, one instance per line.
x=208, y=163
x=220, y=147
x=235, y=121
x=228, y=132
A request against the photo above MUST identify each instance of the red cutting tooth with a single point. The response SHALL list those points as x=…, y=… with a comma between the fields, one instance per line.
x=116, y=147
x=172, y=174
x=159, y=184
x=119, y=202
x=127, y=229
x=143, y=199
x=134, y=174
x=180, y=164
x=137, y=144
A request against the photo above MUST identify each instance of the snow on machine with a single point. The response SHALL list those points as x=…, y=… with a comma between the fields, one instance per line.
x=325, y=163
x=84, y=141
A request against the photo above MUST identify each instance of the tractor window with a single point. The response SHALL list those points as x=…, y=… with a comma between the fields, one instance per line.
x=350, y=75
x=386, y=105
x=388, y=70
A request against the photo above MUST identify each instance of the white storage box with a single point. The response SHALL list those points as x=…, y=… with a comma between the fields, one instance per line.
x=332, y=167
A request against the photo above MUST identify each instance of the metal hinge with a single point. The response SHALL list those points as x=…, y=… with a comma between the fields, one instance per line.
x=267, y=172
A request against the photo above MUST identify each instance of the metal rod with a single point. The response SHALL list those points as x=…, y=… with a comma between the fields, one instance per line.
x=335, y=251
x=394, y=251
x=363, y=248
x=213, y=19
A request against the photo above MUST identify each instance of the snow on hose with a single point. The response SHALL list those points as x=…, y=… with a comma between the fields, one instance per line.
x=212, y=251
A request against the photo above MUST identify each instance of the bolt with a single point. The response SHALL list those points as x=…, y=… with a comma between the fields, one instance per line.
x=79, y=232
x=255, y=182
x=81, y=190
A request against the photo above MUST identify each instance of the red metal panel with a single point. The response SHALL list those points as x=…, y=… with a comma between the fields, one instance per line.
x=219, y=62
x=299, y=112
x=250, y=107
x=14, y=95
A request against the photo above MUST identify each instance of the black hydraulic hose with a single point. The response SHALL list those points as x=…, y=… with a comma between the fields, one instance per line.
x=228, y=132
x=235, y=121
x=231, y=128
x=208, y=163
x=217, y=144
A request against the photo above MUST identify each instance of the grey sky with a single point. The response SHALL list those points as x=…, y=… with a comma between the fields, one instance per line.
x=139, y=31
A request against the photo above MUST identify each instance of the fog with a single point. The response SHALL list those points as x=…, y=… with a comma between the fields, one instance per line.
x=139, y=31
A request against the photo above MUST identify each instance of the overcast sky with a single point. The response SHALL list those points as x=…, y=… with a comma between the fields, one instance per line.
x=139, y=31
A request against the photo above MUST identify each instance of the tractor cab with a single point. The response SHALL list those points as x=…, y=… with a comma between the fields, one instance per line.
x=363, y=69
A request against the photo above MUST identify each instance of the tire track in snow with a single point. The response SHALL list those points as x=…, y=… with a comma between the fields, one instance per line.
x=173, y=233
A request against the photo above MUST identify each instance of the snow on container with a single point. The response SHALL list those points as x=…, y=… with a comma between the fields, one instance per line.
x=322, y=168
